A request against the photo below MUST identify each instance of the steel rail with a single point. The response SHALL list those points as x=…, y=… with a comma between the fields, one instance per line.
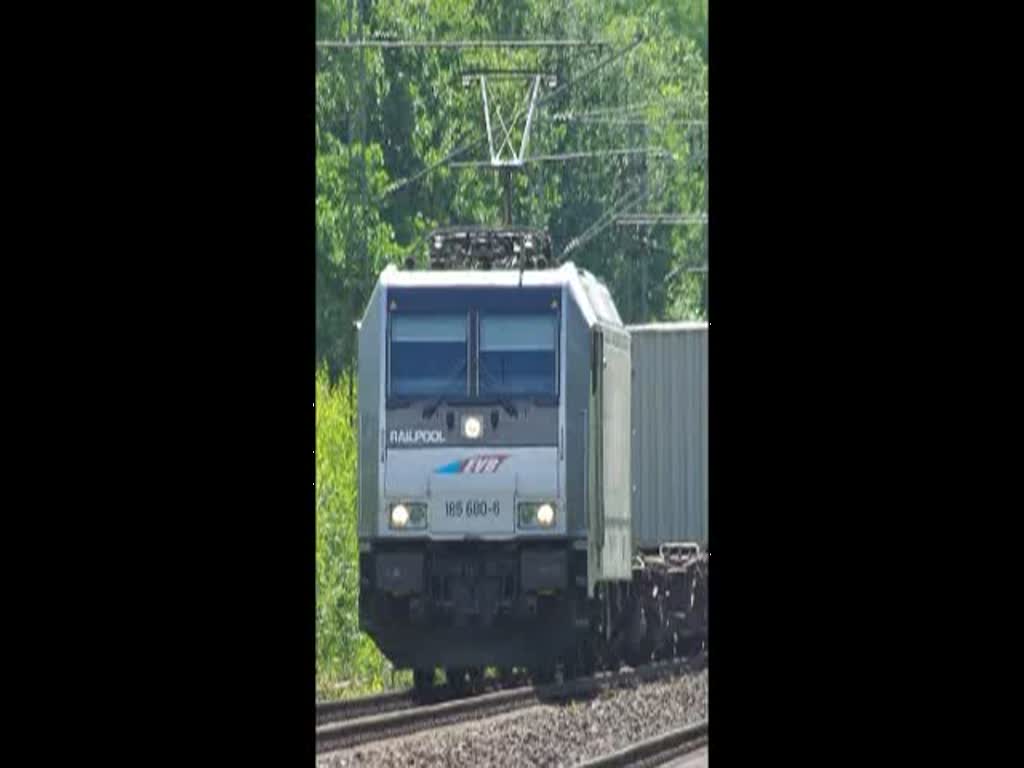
x=657, y=750
x=350, y=733
x=347, y=709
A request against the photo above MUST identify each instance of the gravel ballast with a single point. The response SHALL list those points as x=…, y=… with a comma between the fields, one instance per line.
x=545, y=735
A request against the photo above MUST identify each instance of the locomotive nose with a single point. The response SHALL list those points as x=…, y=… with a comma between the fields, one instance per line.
x=473, y=492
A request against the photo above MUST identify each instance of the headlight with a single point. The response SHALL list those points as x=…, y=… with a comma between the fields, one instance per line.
x=536, y=514
x=399, y=516
x=408, y=515
x=546, y=515
x=472, y=427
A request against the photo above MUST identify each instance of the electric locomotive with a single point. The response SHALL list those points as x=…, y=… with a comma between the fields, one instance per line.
x=494, y=466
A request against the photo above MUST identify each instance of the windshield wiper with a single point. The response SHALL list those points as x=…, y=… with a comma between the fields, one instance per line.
x=506, y=403
x=428, y=412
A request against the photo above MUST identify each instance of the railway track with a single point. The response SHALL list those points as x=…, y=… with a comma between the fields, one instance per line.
x=350, y=726
x=349, y=709
x=655, y=751
x=362, y=706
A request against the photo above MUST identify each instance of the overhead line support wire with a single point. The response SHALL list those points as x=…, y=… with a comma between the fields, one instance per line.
x=466, y=147
x=610, y=215
x=630, y=199
x=461, y=44
x=651, y=219
x=657, y=151
x=627, y=108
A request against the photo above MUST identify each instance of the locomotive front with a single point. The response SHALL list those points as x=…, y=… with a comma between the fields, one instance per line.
x=468, y=554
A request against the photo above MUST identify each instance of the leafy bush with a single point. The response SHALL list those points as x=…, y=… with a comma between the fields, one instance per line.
x=347, y=661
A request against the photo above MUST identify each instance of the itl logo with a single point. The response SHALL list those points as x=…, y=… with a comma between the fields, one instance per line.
x=474, y=465
x=415, y=437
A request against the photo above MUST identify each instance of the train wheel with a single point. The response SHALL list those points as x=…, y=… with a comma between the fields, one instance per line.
x=456, y=679
x=506, y=676
x=544, y=675
x=588, y=661
x=423, y=680
x=570, y=669
x=607, y=658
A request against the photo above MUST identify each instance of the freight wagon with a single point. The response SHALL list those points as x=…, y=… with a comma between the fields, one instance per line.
x=670, y=433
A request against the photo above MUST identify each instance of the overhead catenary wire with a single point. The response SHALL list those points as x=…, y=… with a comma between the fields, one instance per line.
x=624, y=203
x=615, y=211
x=656, y=151
x=402, y=183
x=652, y=219
x=462, y=44
x=700, y=269
x=679, y=269
x=630, y=199
x=621, y=109
x=539, y=103
x=648, y=245
x=630, y=121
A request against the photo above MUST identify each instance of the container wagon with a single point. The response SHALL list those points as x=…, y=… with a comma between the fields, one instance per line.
x=670, y=433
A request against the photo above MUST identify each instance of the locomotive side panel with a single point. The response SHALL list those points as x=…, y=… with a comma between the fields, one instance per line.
x=370, y=395
x=577, y=415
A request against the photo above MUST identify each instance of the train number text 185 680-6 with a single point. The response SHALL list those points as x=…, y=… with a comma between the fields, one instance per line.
x=472, y=508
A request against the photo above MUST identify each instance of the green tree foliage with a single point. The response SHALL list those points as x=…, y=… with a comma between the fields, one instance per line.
x=343, y=653
x=383, y=116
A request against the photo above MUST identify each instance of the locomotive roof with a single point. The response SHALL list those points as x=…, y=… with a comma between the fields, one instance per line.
x=475, y=278
x=590, y=293
x=681, y=325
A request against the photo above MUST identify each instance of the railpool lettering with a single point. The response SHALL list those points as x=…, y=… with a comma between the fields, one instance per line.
x=416, y=436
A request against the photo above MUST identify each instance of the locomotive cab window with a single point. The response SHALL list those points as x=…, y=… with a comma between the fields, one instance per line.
x=429, y=355
x=518, y=355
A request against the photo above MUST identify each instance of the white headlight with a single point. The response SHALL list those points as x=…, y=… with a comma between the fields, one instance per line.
x=472, y=427
x=399, y=516
x=545, y=515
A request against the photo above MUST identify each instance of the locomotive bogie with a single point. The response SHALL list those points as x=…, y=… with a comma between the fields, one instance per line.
x=473, y=603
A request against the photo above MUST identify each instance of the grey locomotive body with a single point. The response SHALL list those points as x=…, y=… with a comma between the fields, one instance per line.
x=494, y=474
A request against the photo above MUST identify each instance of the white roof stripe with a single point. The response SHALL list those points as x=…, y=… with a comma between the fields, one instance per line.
x=682, y=325
x=496, y=278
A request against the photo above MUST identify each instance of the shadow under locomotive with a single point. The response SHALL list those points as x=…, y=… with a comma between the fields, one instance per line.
x=475, y=604
x=469, y=605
